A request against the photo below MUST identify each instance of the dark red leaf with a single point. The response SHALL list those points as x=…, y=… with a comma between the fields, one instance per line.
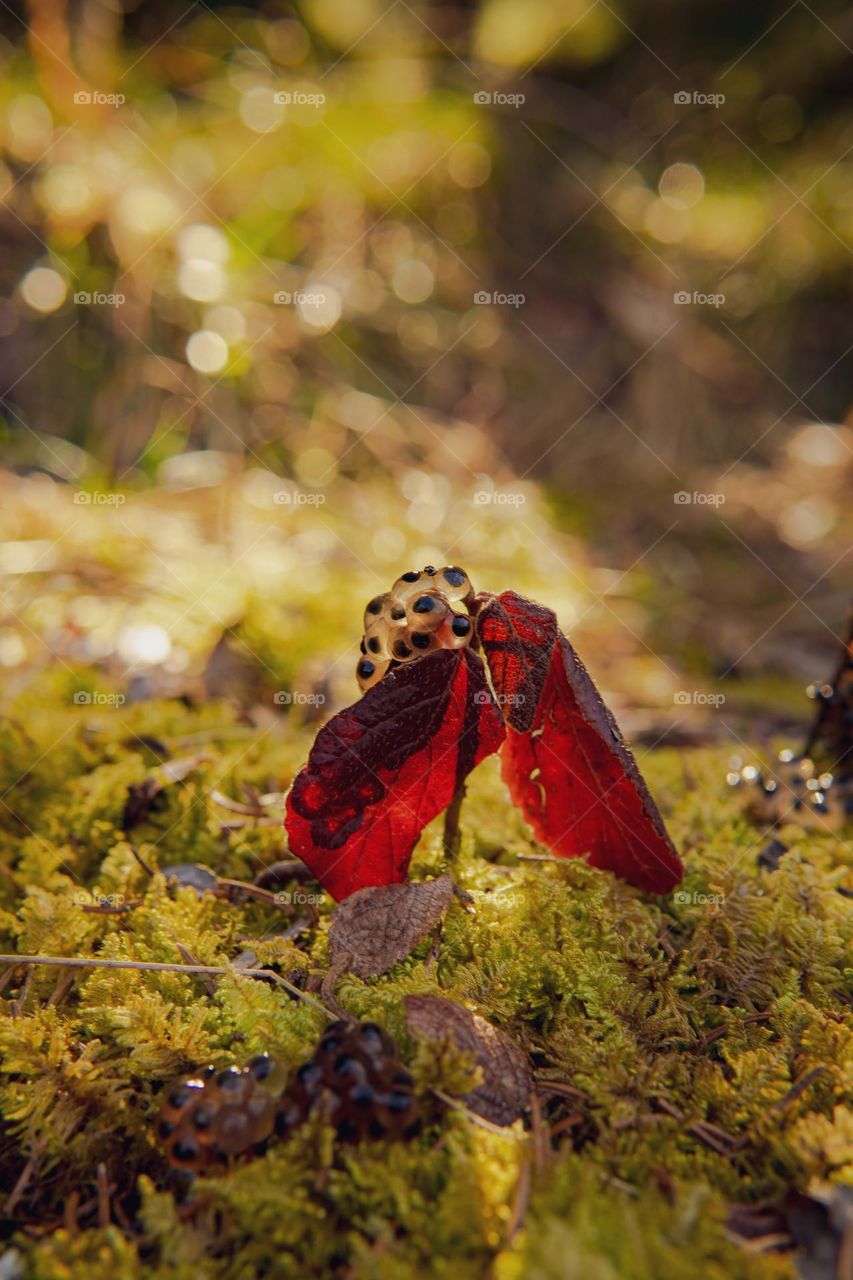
x=571, y=774
x=386, y=766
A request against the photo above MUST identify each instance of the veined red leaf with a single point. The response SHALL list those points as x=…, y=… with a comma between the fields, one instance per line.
x=380, y=770
x=565, y=762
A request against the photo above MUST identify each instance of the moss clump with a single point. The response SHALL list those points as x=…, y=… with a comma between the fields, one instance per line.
x=705, y=1034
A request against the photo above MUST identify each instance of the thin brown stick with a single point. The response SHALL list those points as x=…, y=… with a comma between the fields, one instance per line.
x=155, y=966
x=21, y=1185
x=451, y=823
x=103, y=1197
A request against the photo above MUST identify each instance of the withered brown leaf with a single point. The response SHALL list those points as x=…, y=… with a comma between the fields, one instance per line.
x=507, y=1075
x=378, y=926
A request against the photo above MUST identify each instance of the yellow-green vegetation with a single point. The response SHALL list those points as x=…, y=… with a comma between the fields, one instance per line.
x=708, y=1007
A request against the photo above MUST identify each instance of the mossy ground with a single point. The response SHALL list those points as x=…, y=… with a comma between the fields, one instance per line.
x=709, y=1005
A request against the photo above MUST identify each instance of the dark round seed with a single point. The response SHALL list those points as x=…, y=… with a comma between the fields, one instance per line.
x=203, y=1118
x=330, y=1044
x=260, y=1066
x=371, y=1034
x=460, y=626
x=309, y=1075
x=184, y=1150
x=166, y=1128
x=421, y=640
x=366, y=668
x=454, y=576
x=373, y=644
x=411, y=576
x=375, y=606
x=229, y=1078
x=402, y=650
x=363, y=1095
x=430, y=569
x=424, y=604
x=361, y=646
x=398, y=614
x=375, y=1129
x=400, y=1102
x=180, y=1096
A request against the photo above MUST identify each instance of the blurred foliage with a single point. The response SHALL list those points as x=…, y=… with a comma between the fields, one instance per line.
x=197, y=163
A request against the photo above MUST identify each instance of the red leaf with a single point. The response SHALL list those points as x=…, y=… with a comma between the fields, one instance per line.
x=571, y=774
x=386, y=766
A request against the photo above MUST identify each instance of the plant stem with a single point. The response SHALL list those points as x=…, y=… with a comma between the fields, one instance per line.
x=451, y=823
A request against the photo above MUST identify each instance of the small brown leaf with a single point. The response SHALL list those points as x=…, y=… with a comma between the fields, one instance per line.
x=507, y=1076
x=378, y=926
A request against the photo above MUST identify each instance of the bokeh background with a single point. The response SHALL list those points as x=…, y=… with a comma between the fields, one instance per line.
x=294, y=296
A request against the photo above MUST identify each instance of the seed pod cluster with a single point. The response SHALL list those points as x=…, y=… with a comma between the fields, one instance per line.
x=210, y=1118
x=423, y=611
x=353, y=1078
x=356, y=1080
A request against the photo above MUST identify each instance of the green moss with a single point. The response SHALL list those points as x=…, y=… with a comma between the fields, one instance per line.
x=708, y=1006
